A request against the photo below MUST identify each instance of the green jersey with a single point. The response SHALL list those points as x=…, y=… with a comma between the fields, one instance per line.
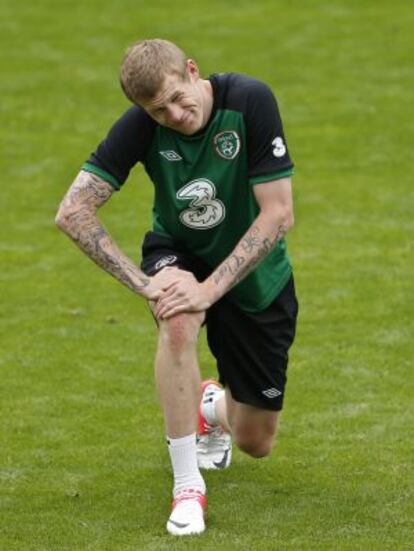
x=204, y=183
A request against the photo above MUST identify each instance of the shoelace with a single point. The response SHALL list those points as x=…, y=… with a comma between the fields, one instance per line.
x=211, y=443
x=216, y=436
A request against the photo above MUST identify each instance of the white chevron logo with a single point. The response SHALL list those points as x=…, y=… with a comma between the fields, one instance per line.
x=171, y=155
x=271, y=392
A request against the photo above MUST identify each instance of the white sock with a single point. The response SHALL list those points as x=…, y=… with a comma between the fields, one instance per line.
x=208, y=408
x=183, y=454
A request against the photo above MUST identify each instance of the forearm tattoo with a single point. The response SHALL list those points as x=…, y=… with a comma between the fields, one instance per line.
x=78, y=208
x=249, y=252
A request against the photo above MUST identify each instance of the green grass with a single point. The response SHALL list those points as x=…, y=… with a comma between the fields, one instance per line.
x=83, y=464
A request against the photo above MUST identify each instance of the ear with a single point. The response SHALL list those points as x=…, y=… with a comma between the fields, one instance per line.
x=192, y=70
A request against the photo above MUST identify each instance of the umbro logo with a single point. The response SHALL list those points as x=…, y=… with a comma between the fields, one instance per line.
x=171, y=155
x=165, y=261
x=271, y=392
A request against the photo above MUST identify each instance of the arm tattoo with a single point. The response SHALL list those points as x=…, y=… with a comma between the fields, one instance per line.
x=231, y=266
x=79, y=207
x=251, y=240
x=250, y=251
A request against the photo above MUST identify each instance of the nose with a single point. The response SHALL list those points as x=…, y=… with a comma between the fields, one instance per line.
x=175, y=113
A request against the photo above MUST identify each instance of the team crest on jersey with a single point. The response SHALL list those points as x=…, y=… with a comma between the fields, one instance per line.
x=227, y=144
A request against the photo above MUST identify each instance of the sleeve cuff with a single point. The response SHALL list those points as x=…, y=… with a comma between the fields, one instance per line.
x=271, y=176
x=89, y=167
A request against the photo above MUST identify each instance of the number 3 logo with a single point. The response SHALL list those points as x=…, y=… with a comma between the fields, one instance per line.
x=204, y=211
x=279, y=147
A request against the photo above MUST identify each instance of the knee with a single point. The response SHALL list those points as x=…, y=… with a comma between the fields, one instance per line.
x=181, y=331
x=255, y=449
x=255, y=443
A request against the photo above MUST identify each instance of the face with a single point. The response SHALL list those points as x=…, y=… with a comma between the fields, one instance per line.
x=182, y=104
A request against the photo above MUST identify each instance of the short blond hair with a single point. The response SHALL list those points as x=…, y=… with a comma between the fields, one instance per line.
x=145, y=66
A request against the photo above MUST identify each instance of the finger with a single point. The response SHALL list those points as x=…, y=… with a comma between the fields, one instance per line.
x=165, y=300
x=171, y=305
x=173, y=311
x=167, y=296
x=169, y=288
x=166, y=308
x=176, y=292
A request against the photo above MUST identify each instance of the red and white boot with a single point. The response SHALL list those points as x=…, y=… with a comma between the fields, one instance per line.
x=187, y=515
x=213, y=443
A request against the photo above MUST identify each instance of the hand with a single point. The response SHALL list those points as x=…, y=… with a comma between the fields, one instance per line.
x=161, y=281
x=185, y=294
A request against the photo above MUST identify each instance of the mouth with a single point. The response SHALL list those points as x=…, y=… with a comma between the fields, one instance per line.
x=185, y=119
x=185, y=124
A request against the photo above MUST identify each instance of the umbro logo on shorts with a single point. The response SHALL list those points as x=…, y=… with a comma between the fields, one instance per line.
x=165, y=261
x=271, y=392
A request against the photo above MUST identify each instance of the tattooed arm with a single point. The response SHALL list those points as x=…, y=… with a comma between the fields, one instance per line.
x=270, y=226
x=77, y=218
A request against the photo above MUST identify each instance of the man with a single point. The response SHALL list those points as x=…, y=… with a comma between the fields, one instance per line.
x=215, y=150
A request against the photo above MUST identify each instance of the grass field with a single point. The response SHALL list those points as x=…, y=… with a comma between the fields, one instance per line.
x=83, y=464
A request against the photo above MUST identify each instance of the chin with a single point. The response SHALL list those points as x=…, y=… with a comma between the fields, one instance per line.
x=189, y=129
x=196, y=126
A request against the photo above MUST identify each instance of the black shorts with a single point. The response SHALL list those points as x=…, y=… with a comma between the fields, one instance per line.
x=251, y=349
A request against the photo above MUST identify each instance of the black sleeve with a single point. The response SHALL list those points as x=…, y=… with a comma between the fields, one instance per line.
x=267, y=148
x=125, y=145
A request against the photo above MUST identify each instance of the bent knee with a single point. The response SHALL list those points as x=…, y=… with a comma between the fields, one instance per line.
x=256, y=440
x=256, y=449
x=181, y=330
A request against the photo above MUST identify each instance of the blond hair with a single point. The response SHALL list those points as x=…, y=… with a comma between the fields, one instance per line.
x=145, y=66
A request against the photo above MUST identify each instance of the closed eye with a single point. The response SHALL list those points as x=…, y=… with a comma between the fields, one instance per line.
x=174, y=99
x=177, y=96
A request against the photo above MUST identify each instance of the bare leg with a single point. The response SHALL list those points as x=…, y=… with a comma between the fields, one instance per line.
x=178, y=382
x=254, y=430
x=177, y=374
